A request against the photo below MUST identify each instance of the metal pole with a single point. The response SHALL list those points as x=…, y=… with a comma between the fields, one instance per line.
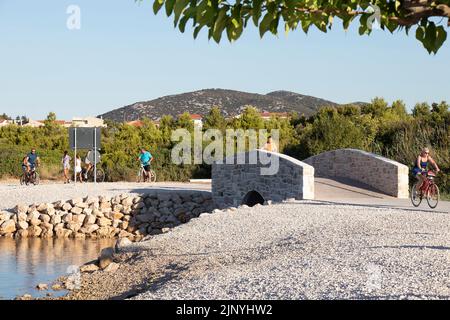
x=75, y=156
x=95, y=155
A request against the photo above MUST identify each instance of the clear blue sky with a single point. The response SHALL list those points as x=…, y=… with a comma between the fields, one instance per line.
x=124, y=53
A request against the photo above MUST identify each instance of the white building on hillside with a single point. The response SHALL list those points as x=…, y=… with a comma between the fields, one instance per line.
x=88, y=122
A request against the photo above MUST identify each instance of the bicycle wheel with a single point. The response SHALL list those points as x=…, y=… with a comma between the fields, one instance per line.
x=416, y=197
x=433, y=196
x=152, y=176
x=36, y=179
x=100, y=175
x=139, y=177
x=22, y=180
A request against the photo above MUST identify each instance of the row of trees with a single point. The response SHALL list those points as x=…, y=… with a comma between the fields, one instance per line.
x=379, y=127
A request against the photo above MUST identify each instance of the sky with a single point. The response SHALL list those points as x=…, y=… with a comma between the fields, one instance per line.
x=123, y=53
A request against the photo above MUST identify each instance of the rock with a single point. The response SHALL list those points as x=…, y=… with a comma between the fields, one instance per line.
x=216, y=211
x=103, y=232
x=42, y=286
x=148, y=217
x=76, y=210
x=106, y=257
x=22, y=225
x=88, y=211
x=67, y=217
x=21, y=208
x=91, y=200
x=25, y=297
x=66, y=206
x=91, y=228
x=127, y=202
x=112, y=267
x=89, y=268
x=90, y=219
x=117, y=215
x=56, y=219
x=79, y=235
x=45, y=218
x=76, y=201
x=21, y=233
x=103, y=222
x=33, y=215
x=34, y=231
x=165, y=230
x=35, y=222
x=79, y=218
x=57, y=287
x=122, y=243
x=21, y=217
x=124, y=225
x=204, y=214
x=9, y=226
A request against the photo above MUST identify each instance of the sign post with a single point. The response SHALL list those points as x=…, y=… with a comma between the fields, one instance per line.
x=75, y=156
x=86, y=138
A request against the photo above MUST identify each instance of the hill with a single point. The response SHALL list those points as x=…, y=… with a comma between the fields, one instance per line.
x=231, y=103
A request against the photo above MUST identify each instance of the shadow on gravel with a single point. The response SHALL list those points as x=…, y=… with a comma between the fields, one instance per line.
x=377, y=206
x=407, y=246
x=171, y=272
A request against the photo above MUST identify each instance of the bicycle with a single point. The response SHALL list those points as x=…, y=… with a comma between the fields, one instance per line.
x=429, y=189
x=30, y=177
x=89, y=175
x=143, y=177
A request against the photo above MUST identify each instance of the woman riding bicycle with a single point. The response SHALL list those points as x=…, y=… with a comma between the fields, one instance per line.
x=420, y=170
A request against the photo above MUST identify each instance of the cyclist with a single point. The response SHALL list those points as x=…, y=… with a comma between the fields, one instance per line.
x=420, y=169
x=30, y=161
x=146, y=159
x=270, y=145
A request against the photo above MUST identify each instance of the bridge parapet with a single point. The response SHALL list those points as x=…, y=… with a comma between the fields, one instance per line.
x=383, y=174
x=232, y=182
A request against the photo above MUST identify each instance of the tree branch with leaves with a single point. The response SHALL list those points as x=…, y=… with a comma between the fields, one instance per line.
x=231, y=17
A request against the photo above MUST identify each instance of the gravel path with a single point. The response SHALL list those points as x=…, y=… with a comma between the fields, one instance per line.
x=12, y=194
x=299, y=251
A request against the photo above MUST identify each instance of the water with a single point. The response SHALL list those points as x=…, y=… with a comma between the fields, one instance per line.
x=24, y=263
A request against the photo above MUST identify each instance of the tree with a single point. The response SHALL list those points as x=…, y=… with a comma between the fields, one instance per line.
x=215, y=120
x=421, y=110
x=233, y=17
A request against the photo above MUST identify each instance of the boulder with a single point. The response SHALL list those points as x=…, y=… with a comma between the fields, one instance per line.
x=21, y=208
x=22, y=233
x=45, y=218
x=56, y=219
x=90, y=219
x=76, y=210
x=8, y=226
x=103, y=222
x=117, y=215
x=33, y=215
x=76, y=201
x=127, y=202
x=106, y=257
x=79, y=218
x=66, y=206
x=21, y=217
x=35, y=222
x=67, y=218
x=42, y=286
x=122, y=243
x=144, y=217
x=112, y=267
x=34, y=231
x=91, y=228
x=89, y=268
x=22, y=225
x=88, y=211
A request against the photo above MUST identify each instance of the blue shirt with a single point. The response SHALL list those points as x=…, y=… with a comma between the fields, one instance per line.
x=145, y=158
x=32, y=158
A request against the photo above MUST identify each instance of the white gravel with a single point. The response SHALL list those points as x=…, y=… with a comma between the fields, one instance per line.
x=12, y=193
x=305, y=250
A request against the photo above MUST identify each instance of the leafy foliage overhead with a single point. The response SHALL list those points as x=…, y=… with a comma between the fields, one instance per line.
x=232, y=17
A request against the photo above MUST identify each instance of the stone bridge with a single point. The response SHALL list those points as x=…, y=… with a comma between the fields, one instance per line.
x=343, y=173
x=261, y=176
x=382, y=174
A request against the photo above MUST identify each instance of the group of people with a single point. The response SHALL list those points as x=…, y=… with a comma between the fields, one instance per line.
x=31, y=161
x=80, y=172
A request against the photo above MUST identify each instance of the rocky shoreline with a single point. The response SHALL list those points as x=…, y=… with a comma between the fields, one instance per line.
x=121, y=216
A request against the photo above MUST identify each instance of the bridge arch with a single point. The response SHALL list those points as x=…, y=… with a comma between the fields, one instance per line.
x=272, y=175
x=385, y=175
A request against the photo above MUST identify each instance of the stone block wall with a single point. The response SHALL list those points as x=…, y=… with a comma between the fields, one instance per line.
x=232, y=182
x=385, y=175
x=122, y=216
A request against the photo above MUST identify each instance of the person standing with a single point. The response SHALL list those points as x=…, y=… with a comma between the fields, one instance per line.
x=66, y=166
x=78, y=169
x=270, y=145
